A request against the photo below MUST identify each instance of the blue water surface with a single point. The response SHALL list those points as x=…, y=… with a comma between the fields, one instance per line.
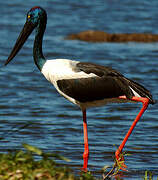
x=31, y=111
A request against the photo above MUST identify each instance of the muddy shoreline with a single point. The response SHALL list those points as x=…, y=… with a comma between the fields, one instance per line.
x=100, y=36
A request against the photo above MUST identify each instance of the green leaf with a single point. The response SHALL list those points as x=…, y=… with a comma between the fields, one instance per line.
x=57, y=156
x=33, y=149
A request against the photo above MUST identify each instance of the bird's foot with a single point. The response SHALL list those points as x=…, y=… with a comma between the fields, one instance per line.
x=120, y=161
x=118, y=165
x=85, y=164
x=84, y=169
x=85, y=161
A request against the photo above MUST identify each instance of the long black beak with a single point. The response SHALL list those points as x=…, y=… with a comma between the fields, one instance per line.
x=26, y=31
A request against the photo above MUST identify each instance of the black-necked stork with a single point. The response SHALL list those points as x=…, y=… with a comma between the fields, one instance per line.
x=84, y=84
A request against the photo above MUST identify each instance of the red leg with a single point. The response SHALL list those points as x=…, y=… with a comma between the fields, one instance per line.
x=145, y=102
x=86, y=148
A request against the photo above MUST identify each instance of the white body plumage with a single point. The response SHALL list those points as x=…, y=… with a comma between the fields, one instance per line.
x=59, y=69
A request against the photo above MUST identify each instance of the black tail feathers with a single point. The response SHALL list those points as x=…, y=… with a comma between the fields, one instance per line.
x=139, y=89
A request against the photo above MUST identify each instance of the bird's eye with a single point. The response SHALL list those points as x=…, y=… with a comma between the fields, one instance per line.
x=29, y=16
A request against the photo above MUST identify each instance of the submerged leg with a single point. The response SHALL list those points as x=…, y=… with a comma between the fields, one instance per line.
x=86, y=148
x=145, y=102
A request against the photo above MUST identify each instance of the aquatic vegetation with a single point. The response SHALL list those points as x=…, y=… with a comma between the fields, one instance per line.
x=24, y=165
x=21, y=165
x=117, y=166
x=148, y=176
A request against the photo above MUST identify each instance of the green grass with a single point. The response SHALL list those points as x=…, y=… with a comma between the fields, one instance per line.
x=21, y=165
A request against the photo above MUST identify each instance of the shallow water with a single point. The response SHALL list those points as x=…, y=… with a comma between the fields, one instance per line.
x=32, y=111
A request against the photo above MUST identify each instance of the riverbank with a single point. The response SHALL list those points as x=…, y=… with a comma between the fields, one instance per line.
x=100, y=36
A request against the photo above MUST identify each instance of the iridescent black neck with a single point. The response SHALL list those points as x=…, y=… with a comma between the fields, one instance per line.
x=39, y=59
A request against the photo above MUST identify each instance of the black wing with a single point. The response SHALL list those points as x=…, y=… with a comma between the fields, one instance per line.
x=108, y=83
